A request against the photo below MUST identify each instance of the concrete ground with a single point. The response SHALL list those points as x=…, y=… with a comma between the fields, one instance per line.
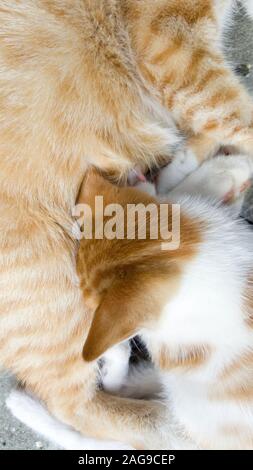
x=13, y=435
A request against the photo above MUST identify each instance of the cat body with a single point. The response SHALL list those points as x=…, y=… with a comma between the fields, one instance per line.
x=59, y=61
x=202, y=339
x=58, y=64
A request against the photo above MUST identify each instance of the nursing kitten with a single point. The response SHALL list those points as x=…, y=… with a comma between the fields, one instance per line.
x=77, y=88
x=192, y=307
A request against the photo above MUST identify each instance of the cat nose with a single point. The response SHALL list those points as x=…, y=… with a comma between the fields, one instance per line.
x=136, y=176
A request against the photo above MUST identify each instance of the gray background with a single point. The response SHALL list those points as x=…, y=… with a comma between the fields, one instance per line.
x=13, y=435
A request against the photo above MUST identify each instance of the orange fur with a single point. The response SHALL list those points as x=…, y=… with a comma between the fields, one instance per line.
x=178, y=51
x=65, y=68
x=189, y=357
x=112, y=271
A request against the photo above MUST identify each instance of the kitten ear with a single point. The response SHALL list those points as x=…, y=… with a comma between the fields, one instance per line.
x=135, y=301
x=116, y=319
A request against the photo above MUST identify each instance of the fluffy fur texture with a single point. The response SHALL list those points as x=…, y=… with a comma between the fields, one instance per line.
x=65, y=69
x=24, y=407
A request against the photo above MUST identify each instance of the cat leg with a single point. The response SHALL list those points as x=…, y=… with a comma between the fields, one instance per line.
x=44, y=323
x=33, y=414
x=178, y=50
x=57, y=374
x=183, y=164
x=67, y=386
x=138, y=423
x=115, y=367
x=187, y=161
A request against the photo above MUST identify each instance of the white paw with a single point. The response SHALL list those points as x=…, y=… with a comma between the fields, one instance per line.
x=226, y=178
x=183, y=163
x=147, y=187
x=116, y=366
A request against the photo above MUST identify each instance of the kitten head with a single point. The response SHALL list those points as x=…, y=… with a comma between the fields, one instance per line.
x=127, y=282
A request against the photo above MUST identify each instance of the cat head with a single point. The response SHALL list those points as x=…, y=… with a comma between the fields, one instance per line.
x=127, y=282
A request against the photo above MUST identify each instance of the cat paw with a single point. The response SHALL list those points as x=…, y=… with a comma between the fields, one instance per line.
x=183, y=163
x=223, y=179
x=115, y=366
x=229, y=177
x=147, y=187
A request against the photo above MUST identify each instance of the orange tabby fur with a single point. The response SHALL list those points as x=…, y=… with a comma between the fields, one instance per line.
x=178, y=49
x=65, y=67
x=71, y=95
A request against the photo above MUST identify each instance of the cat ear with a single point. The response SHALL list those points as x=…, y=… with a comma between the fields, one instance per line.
x=135, y=301
x=117, y=318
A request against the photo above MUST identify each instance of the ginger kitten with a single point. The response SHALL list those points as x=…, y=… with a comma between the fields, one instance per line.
x=192, y=307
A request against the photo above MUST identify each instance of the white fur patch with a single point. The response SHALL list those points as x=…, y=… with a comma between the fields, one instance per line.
x=218, y=177
x=116, y=365
x=183, y=163
x=208, y=310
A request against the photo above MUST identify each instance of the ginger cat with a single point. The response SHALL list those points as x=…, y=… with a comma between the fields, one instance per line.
x=77, y=89
x=71, y=95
